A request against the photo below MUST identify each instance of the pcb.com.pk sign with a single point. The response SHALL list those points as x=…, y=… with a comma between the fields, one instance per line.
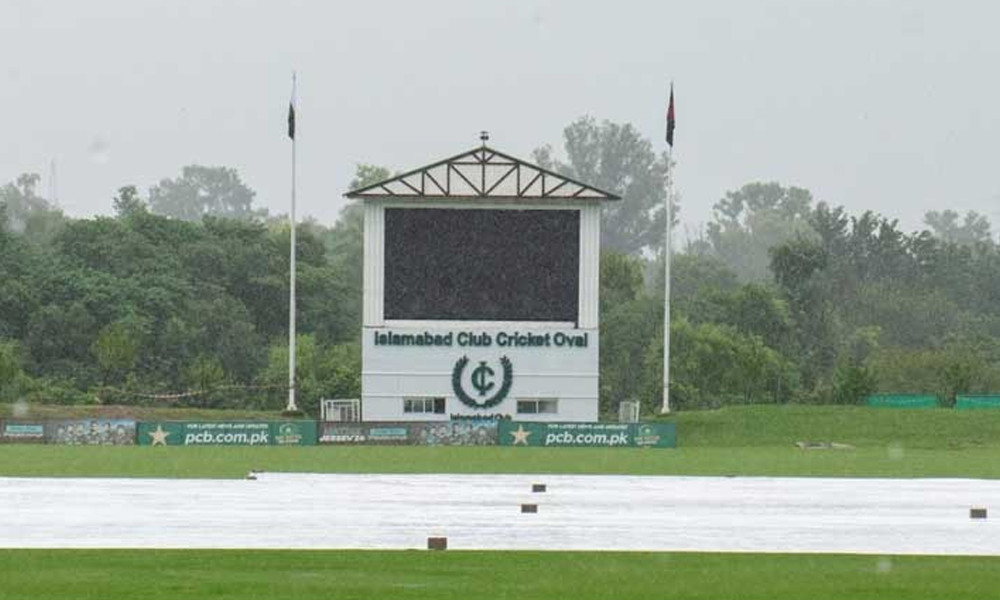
x=227, y=433
x=596, y=435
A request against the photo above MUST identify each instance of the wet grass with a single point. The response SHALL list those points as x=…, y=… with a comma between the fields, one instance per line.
x=238, y=574
x=230, y=461
x=735, y=441
x=929, y=429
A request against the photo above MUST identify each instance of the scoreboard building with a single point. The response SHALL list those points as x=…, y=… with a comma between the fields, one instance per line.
x=480, y=292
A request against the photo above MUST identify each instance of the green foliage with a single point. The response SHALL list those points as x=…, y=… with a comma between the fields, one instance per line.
x=750, y=221
x=321, y=372
x=713, y=364
x=616, y=158
x=141, y=305
x=365, y=175
x=118, y=345
x=127, y=203
x=201, y=191
x=621, y=279
x=25, y=212
x=973, y=229
x=783, y=301
x=11, y=373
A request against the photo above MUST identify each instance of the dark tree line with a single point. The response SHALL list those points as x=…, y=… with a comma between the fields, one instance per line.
x=184, y=292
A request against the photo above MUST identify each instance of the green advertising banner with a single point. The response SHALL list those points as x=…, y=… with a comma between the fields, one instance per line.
x=594, y=435
x=973, y=401
x=655, y=435
x=902, y=401
x=227, y=433
x=22, y=432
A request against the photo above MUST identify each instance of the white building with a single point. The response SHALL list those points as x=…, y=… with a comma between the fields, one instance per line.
x=480, y=292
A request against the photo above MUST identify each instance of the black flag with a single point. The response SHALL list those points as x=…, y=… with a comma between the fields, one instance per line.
x=671, y=123
x=291, y=120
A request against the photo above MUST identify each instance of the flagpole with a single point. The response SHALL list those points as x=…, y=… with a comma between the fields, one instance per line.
x=667, y=252
x=291, y=406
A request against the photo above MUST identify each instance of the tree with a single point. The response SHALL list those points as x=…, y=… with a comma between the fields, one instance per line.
x=798, y=268
x=615, y=157
x=118, y=346
x=10, y=368
x=712, y=365
x=945, y=225
x=321, y=372
x=750, y=221
x=621, y=279
x=201, y=191
x=855, y=377
x=128, y=202
x=26, y=212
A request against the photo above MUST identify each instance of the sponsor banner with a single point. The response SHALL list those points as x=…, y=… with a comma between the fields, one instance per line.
x=357, y=433
x=22, y=432
x=87, y=432
x=969, y=401
x=227, y=433
x=595, y=435
x=293, y=433
x=902, y=401
x=466, y=432
x=655, y=435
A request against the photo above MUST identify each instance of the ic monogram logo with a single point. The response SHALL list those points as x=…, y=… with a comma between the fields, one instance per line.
x=482, y=380
x=479, y=375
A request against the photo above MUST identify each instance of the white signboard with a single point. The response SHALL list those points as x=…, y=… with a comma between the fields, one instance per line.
x=480, y=372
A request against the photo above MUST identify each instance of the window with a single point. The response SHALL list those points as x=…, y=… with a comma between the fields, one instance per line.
x=540, y=406
x=423, y=405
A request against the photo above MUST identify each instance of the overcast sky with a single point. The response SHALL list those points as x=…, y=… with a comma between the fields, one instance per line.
x=889, y=105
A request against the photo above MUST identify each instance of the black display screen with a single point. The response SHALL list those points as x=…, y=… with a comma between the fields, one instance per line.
x=482, y=264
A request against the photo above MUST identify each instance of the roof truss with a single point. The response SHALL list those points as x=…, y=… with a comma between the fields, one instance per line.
x=482, y=173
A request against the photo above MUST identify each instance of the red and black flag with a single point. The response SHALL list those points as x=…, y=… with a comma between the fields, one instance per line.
x=671, y=123
x=291, y=111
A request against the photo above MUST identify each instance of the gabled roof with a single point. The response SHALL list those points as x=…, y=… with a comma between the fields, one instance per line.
x=482, y=173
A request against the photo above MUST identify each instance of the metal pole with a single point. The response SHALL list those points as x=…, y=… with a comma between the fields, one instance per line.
x=292, y=407
x=667, y=250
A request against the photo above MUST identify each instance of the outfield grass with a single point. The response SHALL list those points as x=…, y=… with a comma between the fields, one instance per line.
x=929, y=429
x=229, y=461
x=242, y=575
x=734, y=441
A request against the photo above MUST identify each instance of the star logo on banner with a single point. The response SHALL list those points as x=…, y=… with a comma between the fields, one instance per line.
x=159, y=436
x=520, y=436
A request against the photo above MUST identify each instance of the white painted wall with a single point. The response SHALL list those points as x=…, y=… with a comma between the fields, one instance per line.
x=567, y=373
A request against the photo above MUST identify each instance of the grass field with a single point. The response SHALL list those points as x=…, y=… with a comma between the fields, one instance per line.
x=110, y=575
x=734, y=441
x=228, y=462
